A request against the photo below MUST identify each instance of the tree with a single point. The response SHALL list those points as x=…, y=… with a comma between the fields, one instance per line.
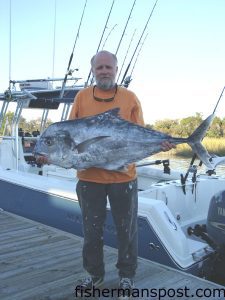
x=32, y=125
x=7, y=121
x=167, y=126
x=216, y=128
x=189, y=124
x=26, y=126
x=223, y=126
x=149, y=126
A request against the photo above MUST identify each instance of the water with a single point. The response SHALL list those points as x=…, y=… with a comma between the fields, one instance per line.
x=182, y=164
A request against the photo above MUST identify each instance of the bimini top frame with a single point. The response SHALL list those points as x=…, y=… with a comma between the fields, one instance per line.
x=32, y=98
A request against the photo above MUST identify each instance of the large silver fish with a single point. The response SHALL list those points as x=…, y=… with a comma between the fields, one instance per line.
x=107, y=141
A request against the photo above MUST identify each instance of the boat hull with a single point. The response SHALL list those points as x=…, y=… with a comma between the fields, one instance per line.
x=64, y=213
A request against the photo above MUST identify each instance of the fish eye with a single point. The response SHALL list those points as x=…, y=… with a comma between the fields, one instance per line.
x=48, y=142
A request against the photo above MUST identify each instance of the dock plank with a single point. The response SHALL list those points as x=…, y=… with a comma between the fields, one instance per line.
x=38, y=262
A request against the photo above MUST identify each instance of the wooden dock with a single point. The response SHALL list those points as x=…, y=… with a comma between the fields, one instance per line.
x=38, y=262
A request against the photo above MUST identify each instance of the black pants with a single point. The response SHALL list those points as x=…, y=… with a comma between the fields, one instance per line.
x=123, y=202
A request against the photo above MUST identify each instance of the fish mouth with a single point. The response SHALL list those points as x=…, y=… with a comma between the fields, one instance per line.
x=39, y=154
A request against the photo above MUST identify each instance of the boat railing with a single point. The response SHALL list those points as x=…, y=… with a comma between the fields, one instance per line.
x=33, y=94
x=4, y=137
x=22, y=100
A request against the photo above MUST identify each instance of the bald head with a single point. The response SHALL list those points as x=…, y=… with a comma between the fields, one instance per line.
x=104, y=68
x=103, y=53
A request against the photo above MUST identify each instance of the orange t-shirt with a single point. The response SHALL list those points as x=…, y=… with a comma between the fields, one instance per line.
x=130, y=109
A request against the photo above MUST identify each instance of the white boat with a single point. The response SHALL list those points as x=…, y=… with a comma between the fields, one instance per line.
x=181, y=222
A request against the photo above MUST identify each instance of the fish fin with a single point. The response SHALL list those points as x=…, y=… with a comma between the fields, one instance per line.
x=217, y=160
x=202, y=153
x=83, y=145
x=195, y=139
x=114, y=111
x=108, y=115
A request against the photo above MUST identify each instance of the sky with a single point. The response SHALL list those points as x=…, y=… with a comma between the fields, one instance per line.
x=180, y=69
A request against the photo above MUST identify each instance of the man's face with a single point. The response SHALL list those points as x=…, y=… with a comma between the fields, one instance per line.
x=104, y=69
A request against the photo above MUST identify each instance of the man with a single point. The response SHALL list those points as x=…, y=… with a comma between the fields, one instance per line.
x=96, y=185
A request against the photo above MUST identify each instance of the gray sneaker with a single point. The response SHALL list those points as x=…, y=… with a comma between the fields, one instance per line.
x=126, y=286
x=86, y=285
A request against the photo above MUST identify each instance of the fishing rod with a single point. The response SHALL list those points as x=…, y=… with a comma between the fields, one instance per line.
x=184, y=178
x=125, y=74
x=86, y=84
x=108, y=36
x=128, y=19
x=68, y=71
x=128, y=79
x=132, y=70
x=218, y=101
x=126, y=55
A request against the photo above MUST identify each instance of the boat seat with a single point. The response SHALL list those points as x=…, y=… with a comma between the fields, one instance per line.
x=7, y=160
x=8, y=155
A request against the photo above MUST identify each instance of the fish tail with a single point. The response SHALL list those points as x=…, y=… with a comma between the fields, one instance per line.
x=195, y=139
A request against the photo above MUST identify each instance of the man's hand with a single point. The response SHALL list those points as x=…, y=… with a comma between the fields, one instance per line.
x=166, y=146
x=42, y=160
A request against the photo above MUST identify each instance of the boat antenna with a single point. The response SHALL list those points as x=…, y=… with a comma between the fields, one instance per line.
x=128, y=19
x=103, y=32
x=150, y=15
x=10, y=41
x=126, y=55
x=53, y=54
x=68, y=71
